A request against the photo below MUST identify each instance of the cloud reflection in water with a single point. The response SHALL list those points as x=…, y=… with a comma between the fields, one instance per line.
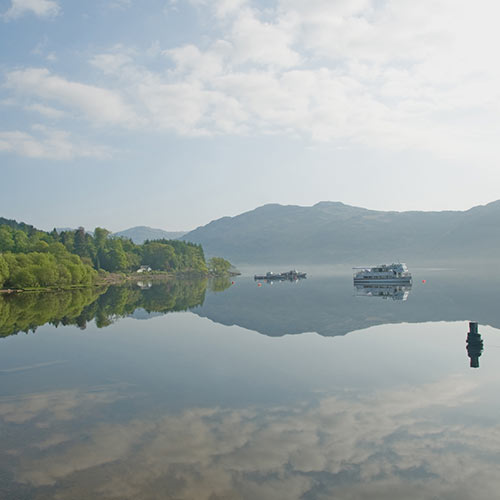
x=392, y=444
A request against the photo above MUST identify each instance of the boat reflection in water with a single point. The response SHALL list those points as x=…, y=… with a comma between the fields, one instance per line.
x=385, y=291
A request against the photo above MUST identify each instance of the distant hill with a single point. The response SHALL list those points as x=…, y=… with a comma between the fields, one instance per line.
x=140, y=234
x=332, y=232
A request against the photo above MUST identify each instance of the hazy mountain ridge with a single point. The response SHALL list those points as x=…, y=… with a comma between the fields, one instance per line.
x=334, y=232
x=140, y=234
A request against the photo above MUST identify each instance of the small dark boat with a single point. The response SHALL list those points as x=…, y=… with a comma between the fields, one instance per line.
x=292, y=275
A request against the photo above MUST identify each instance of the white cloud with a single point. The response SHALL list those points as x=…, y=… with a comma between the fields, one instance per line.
x=48, y=143
x=118, y=4
x=110, y=63
x=225, y=8
x=41, y=8
x=180, y=107
x=384, y=75
x=97, y=104
x=221, y=8
x=263, y=43
x=47, y=111
x=192, y=63
x=355, y=72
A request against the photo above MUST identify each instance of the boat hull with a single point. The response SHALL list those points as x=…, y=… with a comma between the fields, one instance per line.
x=387, y=281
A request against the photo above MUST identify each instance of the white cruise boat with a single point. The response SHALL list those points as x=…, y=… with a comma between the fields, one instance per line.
x=392, y=273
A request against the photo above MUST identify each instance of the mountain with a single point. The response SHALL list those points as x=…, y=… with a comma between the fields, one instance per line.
x=332, y=232
x=140, y=234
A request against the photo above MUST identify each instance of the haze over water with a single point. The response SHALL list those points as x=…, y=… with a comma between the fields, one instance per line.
x=291, y=390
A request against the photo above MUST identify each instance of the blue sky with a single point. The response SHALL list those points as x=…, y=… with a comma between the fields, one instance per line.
x=174, y=113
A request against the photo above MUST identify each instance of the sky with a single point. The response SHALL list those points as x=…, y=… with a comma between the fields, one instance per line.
x=173, y=113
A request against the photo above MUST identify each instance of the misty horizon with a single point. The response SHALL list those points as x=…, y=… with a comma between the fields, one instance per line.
x=185, y=231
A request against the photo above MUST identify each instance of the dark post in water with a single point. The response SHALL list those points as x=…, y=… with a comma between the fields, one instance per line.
x=474, y=345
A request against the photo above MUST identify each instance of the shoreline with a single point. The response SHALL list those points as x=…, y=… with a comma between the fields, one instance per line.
x=118, y=279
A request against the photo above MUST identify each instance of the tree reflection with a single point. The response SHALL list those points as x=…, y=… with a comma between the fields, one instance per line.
x=219, y=283
x=25, y=312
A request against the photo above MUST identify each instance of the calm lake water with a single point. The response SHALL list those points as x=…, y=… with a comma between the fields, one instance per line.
x=306, y=390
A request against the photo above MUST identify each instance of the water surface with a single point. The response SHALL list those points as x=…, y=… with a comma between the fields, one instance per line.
x=291, y=390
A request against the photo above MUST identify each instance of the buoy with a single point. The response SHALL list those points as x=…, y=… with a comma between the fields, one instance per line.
x=423, y=281
x=259, y=284
x=232, y=282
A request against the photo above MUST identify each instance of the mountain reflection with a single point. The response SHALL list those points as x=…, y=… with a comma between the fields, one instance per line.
x=27, y=311
x=328, y=306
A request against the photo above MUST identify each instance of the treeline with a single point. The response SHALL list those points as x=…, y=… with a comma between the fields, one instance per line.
x=54, y=267
x=34, y=258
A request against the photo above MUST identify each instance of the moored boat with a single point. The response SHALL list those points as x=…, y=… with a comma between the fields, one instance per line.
x=289, y=275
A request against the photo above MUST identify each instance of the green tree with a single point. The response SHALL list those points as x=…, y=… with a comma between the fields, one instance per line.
x=80, y=243
x=100, y=236
x=57, y=249
x=21, y=241
x=67, y=238
x=37, y=269
x=46, y=275
x=40, y=246
x=160, y=256
x=218, y=266
x=6, y=239
x=4, y=270
x=23, y=278
x=113, y=258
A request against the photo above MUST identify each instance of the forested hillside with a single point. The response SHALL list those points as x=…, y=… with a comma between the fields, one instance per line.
x=34, y=258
